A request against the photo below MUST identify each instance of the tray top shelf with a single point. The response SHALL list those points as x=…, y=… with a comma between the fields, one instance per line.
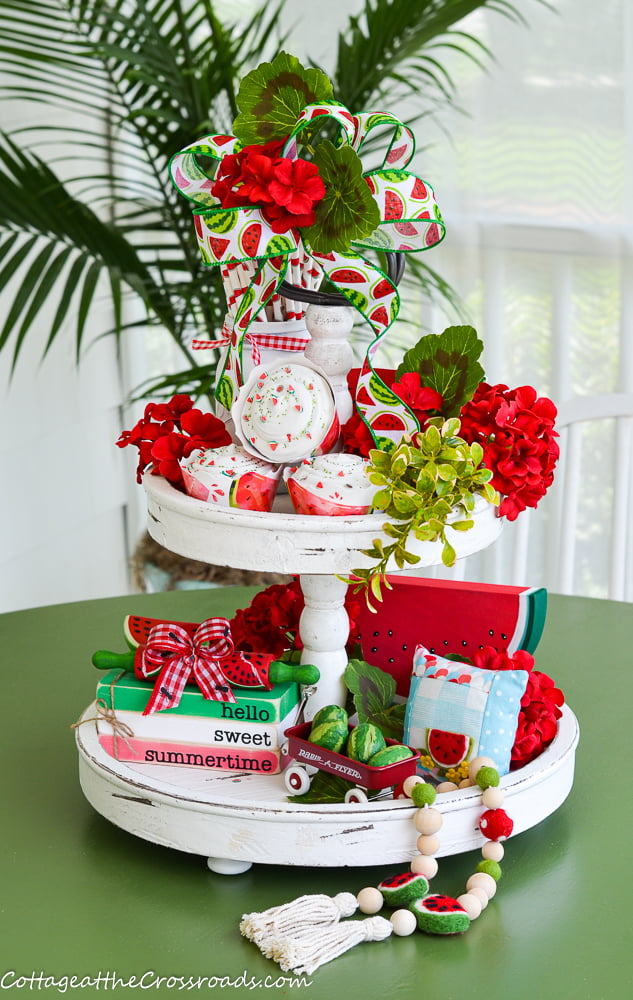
x=284, y=542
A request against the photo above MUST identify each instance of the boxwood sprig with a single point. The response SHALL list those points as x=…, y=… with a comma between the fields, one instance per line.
x=427, y=478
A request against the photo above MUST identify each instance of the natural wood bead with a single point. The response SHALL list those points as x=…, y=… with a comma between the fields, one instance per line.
x=482, y=881
x=492, y=850
x=428, y=845
x=480, y=894
x=478, y=762
x=466, y=783
x=493, y=798
x=424, y=864
x=428, y=820
x=370, y=900
x=404, y=922
x=445, y=786
x=410, y=782
x=471, y=903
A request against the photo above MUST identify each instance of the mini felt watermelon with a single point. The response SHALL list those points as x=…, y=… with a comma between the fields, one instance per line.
x=329, y=735
x=330, y=713
x=401, y=889
x=439, y=914
x=364, y=741
x=390, y=755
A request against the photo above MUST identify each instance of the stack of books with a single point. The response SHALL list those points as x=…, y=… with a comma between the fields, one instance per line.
x=243, y=736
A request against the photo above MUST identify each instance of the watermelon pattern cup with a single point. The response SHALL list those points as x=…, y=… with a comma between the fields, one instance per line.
x=230, y=477
x=334, y=485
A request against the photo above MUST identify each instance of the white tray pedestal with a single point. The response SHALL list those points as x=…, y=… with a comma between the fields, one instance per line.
x=324, y=630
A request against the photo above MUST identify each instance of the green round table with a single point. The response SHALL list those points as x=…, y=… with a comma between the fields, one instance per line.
x=79, y=897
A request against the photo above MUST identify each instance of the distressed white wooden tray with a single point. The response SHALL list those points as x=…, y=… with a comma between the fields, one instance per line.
x=237, y=820
x=284, y=542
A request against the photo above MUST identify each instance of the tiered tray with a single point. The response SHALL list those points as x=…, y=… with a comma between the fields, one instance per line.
x=236, y=820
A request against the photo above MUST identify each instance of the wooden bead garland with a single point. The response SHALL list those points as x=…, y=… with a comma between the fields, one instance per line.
x=481, y=886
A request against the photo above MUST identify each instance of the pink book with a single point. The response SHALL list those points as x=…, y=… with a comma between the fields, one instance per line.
x=191, y=755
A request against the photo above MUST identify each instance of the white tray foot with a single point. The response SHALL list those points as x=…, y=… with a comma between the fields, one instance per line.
x=225, y=866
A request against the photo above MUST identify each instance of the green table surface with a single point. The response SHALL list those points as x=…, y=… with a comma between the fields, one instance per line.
x=79, y=897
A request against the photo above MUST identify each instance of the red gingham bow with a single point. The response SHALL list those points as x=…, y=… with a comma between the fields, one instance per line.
x=278, y=341
x=179, y=656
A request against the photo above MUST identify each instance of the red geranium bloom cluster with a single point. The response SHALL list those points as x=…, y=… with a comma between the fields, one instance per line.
x=540, y=711
x=285, y=190
x=270, y=624
x=516, y=430
x=170, y=431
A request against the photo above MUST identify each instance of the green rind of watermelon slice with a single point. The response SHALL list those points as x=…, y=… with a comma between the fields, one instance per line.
x=240, y=668
x=439, y=914
x=398, y=890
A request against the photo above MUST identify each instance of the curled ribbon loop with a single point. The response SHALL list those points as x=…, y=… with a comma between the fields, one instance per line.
x=180, y=657
x=410, y=222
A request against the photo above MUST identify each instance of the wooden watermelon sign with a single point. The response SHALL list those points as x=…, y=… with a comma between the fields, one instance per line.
x=447, y=616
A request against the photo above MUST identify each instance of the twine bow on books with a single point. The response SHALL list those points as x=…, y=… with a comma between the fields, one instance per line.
x=180, y=657
x=384, y=209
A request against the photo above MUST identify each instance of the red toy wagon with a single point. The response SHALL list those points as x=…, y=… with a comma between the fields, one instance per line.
x=316, y=758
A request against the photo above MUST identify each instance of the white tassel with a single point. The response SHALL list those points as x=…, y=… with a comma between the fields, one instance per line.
x=289, y=918
x=313, y=947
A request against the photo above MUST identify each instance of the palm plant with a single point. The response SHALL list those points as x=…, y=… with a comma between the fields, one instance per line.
x=123, y=84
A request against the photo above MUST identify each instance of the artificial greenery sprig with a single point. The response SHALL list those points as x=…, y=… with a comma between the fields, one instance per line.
x=426, y=480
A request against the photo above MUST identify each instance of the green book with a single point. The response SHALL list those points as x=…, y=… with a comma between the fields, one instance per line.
x=126, y=692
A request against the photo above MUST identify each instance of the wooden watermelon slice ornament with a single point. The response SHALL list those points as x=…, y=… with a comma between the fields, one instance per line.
x=447, y=616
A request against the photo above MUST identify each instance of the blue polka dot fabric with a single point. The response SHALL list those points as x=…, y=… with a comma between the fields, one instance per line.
x=455, y=698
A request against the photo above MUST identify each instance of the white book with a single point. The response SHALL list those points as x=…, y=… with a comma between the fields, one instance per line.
x=201, y=729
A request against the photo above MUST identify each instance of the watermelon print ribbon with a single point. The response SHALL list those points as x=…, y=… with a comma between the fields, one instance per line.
x=180, y=657
x=410, y=222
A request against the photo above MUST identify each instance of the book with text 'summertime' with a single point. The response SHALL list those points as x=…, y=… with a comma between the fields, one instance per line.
x=200, y=729
x=192, y=755
x=122, y=690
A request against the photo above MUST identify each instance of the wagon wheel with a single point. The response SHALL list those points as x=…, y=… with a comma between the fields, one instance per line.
x=297, y=780
x=356, y=795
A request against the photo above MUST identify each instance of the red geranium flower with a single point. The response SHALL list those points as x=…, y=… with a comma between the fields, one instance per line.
x=270, y=623
x=170, y=431
x=357, y=439
x=286, y=190
x=516, y=431
x=423, y=400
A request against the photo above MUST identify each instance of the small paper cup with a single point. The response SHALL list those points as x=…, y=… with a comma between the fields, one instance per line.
x=231, y=477
x=333, y=485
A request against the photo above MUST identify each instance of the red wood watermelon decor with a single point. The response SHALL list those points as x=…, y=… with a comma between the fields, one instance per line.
x=447, y=616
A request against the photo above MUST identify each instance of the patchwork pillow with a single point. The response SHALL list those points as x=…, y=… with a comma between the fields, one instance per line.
x=456, y=712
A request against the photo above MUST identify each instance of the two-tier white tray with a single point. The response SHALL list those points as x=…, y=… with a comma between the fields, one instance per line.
x=235, y=820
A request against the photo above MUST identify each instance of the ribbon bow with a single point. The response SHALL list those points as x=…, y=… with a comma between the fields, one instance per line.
x=180, y=656
x=278, y=341
x=410, y=222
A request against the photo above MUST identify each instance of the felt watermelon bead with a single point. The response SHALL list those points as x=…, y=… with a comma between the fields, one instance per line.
x=439, y=914
x=398, y=890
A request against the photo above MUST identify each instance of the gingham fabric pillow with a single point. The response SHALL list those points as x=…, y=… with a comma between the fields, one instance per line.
x=456, y=712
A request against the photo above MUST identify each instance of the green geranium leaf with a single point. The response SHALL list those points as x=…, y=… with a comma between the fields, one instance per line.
x=372, y=689
x=447, y=362
x=348, y=210
x=272, y=96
